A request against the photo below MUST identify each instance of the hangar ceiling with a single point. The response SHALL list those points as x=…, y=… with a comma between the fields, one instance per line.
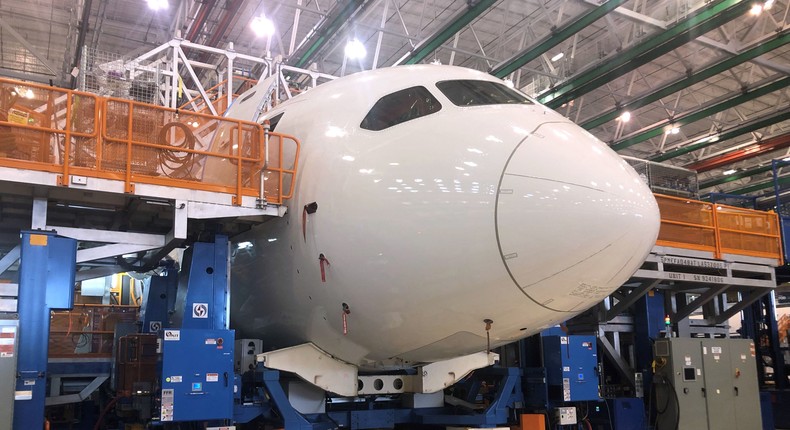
x=705, y=82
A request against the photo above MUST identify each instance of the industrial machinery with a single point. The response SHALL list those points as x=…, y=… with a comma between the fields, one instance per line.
x=706, y=384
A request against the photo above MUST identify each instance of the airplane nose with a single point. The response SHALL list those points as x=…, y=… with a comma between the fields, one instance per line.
x=573, y=220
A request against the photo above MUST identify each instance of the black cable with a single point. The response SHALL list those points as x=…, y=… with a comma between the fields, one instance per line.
x=677, y=404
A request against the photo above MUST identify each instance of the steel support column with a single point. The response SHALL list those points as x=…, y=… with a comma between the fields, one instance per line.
x=658, y=129
x=686, y=310
x=553, y=39
x=688, y=81
x=46, y=282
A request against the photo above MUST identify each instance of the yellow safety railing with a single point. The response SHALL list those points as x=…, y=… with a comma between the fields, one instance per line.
x=73, y=133
x=720, y=229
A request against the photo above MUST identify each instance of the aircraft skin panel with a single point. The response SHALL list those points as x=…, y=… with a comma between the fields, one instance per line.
x=420, y=222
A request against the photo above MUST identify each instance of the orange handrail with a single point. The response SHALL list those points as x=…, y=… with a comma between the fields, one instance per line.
x=141, y=131
x=697, y=225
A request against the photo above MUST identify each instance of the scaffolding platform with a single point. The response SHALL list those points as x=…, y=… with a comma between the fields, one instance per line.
x=125, y=177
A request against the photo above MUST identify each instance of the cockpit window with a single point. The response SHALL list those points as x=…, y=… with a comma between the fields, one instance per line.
x=478, y=93
x=401, y=106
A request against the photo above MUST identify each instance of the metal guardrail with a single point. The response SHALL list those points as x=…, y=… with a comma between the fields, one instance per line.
x=74, y=133
x=719, y=229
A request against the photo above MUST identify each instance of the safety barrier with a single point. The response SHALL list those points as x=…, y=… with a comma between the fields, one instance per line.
x=73, y=133
x=87, y=330
x=720, y=229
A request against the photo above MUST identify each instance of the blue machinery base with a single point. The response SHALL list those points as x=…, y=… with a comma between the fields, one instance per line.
x=372, y=414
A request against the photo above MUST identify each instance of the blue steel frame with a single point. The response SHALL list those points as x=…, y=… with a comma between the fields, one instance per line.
x=46, y=282
x=507, y=396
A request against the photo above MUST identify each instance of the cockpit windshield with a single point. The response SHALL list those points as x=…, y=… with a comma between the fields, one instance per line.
x=401, y=106
x=478, y=93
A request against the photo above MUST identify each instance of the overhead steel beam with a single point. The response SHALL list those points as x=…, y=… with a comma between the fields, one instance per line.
x=761, y=185
x=702, y=40
x=701, y=21
x=688, y=81
x=745, y=96
x=725, y=135
x=327, y=28
x=553, y=39
x=757, y=149
x=453, y=25
x=735, y=176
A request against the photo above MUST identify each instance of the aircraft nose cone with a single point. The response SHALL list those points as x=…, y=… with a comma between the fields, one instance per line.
x=573, y=220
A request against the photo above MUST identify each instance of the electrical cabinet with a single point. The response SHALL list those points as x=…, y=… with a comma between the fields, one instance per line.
x=8, y=339
x=571, y=364
x=197, y=375
x=706, y=384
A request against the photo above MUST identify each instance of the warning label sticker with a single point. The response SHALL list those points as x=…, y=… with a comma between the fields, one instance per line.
x=212, y=377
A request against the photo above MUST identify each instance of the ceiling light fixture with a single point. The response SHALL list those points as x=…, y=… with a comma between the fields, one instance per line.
x=557, y=57
x=157, y=4
x=262, y=26
x=768, y=4
x=729, y=172
x=355, y=49
x=509, y=83
x=625, y=117
x=756, y=9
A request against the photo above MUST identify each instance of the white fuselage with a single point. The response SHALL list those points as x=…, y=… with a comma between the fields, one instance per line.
x=504, y=212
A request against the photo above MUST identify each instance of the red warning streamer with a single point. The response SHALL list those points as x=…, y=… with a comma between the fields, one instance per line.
x=324, y=262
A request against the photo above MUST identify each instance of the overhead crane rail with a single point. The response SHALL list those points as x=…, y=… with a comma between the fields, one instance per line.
x=75, y=133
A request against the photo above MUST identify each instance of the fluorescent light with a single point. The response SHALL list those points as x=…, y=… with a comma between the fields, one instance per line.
x=355, y=49
x=262, y=26
x=673, y=130
x=157, y=4
x=756, y=9
x=768, y=4
x=29, y=94
x=626, y=116
x=786, y=159
x=557, y=57
x=244, y=245
x=729, y=172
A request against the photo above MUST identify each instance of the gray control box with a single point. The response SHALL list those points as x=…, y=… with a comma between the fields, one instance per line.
x=8, y=353
x=706, y=384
